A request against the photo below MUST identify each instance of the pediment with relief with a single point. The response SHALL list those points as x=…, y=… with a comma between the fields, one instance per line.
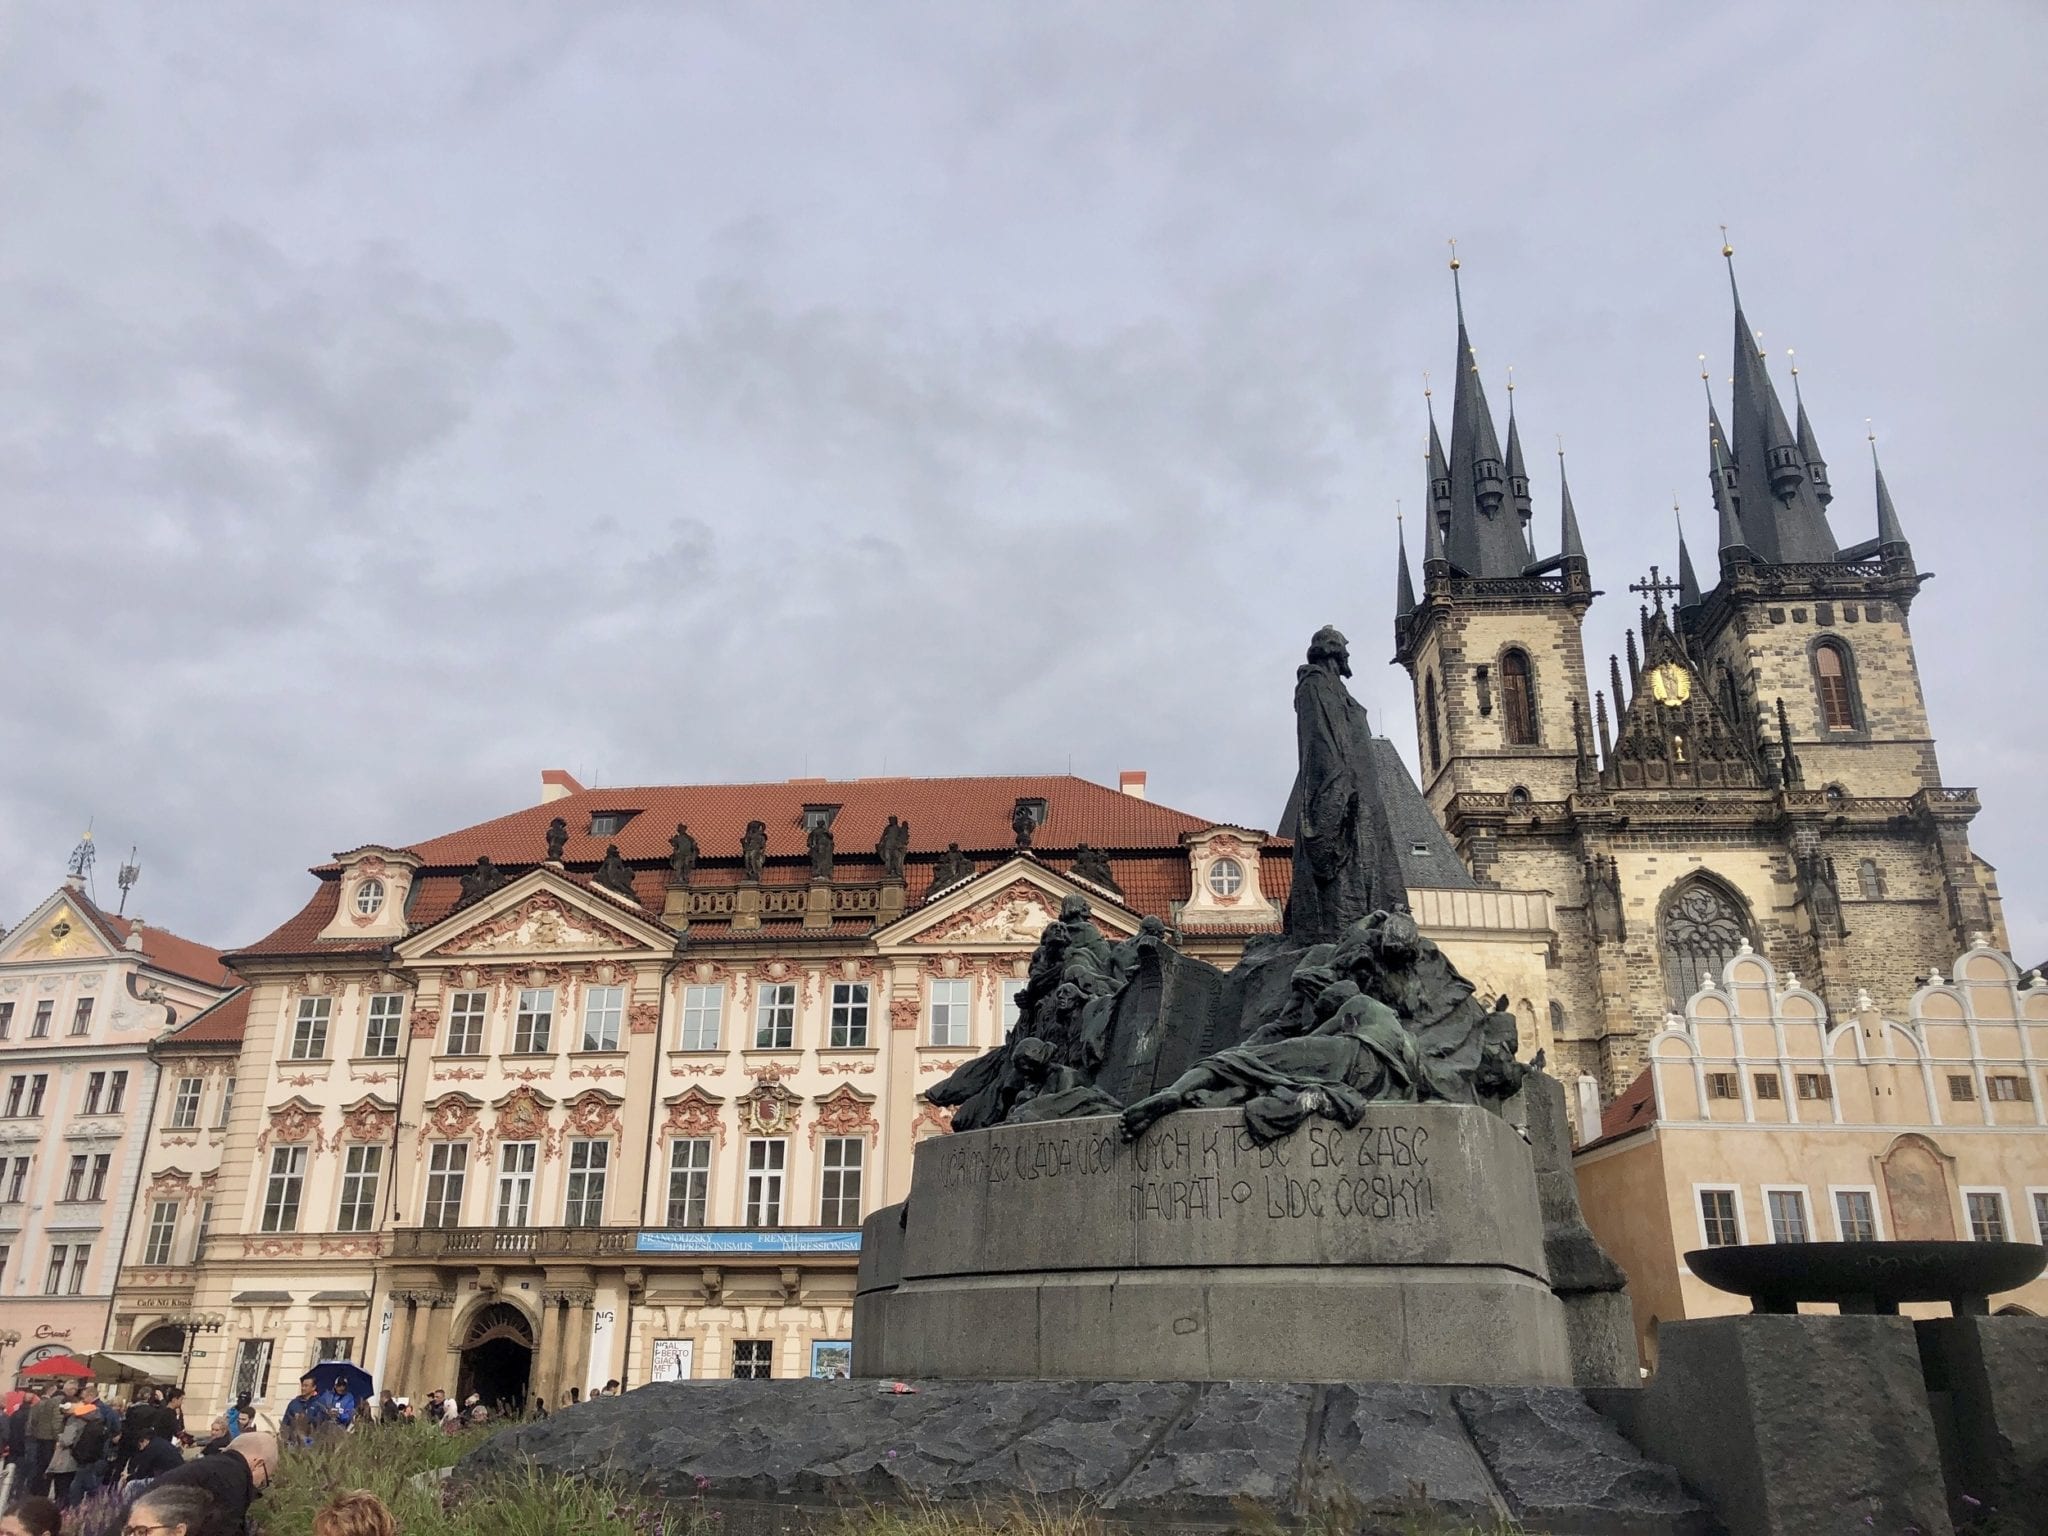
x=1015, y=912
x=542, y=921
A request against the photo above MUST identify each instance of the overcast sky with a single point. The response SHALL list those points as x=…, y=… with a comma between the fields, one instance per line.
x=396, y=401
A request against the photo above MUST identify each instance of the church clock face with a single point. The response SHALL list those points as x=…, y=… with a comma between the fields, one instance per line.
x=1671, y=684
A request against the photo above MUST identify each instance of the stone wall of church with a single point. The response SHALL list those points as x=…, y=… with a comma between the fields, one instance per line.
x=1476, y=749
x=1769, y=649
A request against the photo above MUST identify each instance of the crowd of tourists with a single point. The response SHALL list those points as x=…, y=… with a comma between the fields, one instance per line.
x=61, y=1447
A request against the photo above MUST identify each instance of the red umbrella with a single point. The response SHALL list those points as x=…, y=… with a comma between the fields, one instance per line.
x=59, y=1365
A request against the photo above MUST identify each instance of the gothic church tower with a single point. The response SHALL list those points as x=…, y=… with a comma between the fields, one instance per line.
x=1760, y=768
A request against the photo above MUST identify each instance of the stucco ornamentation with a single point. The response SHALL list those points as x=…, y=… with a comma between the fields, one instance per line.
x=643, y=1018
x=1015, y=915
x=594, y=1113
x=903, y=1010
x=293, y=1122
x=426, y=1023
x=451, y=1118
x=930, y=1117
x=543, y=922
x=844, y=1112
x=694, y=1113
x=770, y=1110
x=367, y=1120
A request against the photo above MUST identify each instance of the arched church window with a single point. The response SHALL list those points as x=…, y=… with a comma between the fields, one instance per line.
x=1871, y=879
x=1833, y=680
x=1436, y=746
x=1517, y=699
x=1703, y=930
x=1731, y=699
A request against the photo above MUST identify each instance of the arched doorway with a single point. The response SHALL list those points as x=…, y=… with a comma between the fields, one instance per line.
x=497, y=1357
x=164, y=1340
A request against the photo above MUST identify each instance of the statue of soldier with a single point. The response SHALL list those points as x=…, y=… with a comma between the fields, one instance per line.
x=682, y=855
x=892, y=847
x=821, y=852
x=754, y=850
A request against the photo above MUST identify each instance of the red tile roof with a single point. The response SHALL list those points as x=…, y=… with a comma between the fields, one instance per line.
x=1142, y=838
x=222, y=1024
x=1635, y=1110
x=160, y=947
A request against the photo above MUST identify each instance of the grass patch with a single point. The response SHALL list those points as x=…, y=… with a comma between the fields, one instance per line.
x=389, y=1462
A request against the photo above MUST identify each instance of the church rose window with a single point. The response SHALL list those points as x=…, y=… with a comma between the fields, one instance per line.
x=1517, y=700
x=1703, y=931
x=1831, y=679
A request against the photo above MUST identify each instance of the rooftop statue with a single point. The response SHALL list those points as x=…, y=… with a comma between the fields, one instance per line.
x=558, y=839
x=754, y=850
x=820, y=844
x=891, y=847
x=952, y=867
x=682, y=855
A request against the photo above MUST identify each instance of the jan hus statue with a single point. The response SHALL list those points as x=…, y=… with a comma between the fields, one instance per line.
x=1344, y=863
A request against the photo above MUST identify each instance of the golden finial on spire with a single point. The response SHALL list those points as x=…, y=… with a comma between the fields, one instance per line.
x=1703, y=365
x=1869, y=431
x=1397, y=511
x=1425, y=386
x=1792, y=358
x=1511, y=378
x=1454, y=253
x=1727, y=250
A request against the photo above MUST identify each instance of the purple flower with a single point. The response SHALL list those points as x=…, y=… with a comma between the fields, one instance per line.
x=703, y=1482
x=1973, y=1503
x=892, y=1454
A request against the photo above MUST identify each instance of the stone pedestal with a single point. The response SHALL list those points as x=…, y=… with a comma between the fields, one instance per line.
x=1410, y=1249
x=1987, y=1387
x=1789, y=1425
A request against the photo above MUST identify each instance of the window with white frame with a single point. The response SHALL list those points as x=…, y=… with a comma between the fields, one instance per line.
x=227, y=1100
x=2040, y=1202
x=602, y=1009
x=516, y=1163
x=1720, y=1221
x=163, y=1231
x=16, y=1086
x=6, y=1020
x=81, y=1018
x=53, y=1277
x=81, y=1255
x=1986, y=1208
x=117, y=1090
x=331, y=1347
x=534, y=1027
x=753, y=1359
x=767, y=1158
x=689, y=1182
x=309, y=1030
x=361, y=1168
x=447, y=1168
x=102, y=1165
x=466, y=1023
x=775, y=1016
x=383, y=1023
x=202, y=1231
x=369, y=897
x=1226, y=877
x=703, y=1011
x=74, y=1181
x=40, y=1028
x=252, y=1368
x=589, y=1161
x=1011, y=987
x=17, y=1180
x=36, y=1088
x=951, y=1001
x=95, y=1089
x=849, y=1015
x=185, y=1103
x=1856, y=1215
x=285, y=1187
x=1787, y=1208
x=839, y=1182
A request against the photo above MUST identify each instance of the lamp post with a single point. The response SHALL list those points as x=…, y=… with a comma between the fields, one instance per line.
x=192, y=1324
x=8, y=1339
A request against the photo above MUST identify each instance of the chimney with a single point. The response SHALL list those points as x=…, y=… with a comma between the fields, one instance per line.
x=556, y=784
x=1132, y=782
x=1589, y=1108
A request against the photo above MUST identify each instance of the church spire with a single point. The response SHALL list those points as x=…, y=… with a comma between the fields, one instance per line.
x=1486, y=535
x=1439, y=468
x=1688, y=580
x=1888, y=530
x=1721, y=473
x=1786, y=519
x=1518, y=472
x=1404, y=584
x=1569, y=543
x=1809, y=449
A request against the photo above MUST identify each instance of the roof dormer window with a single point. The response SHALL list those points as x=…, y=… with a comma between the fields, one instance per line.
x=369, y=896
x=816, y=816
x=1035, y=809
x=608, y=823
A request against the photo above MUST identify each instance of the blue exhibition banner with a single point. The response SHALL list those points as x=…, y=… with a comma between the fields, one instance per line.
x=755, y=1241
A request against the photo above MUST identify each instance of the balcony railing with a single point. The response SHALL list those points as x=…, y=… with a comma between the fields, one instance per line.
x=510, y=1242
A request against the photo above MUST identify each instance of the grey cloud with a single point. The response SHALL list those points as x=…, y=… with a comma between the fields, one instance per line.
x=395, y=406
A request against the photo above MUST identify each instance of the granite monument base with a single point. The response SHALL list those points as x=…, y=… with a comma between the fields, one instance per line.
x=1791, y=1424
x=1142, y=1455
x=1407, y=1249
x=1987, y=1388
